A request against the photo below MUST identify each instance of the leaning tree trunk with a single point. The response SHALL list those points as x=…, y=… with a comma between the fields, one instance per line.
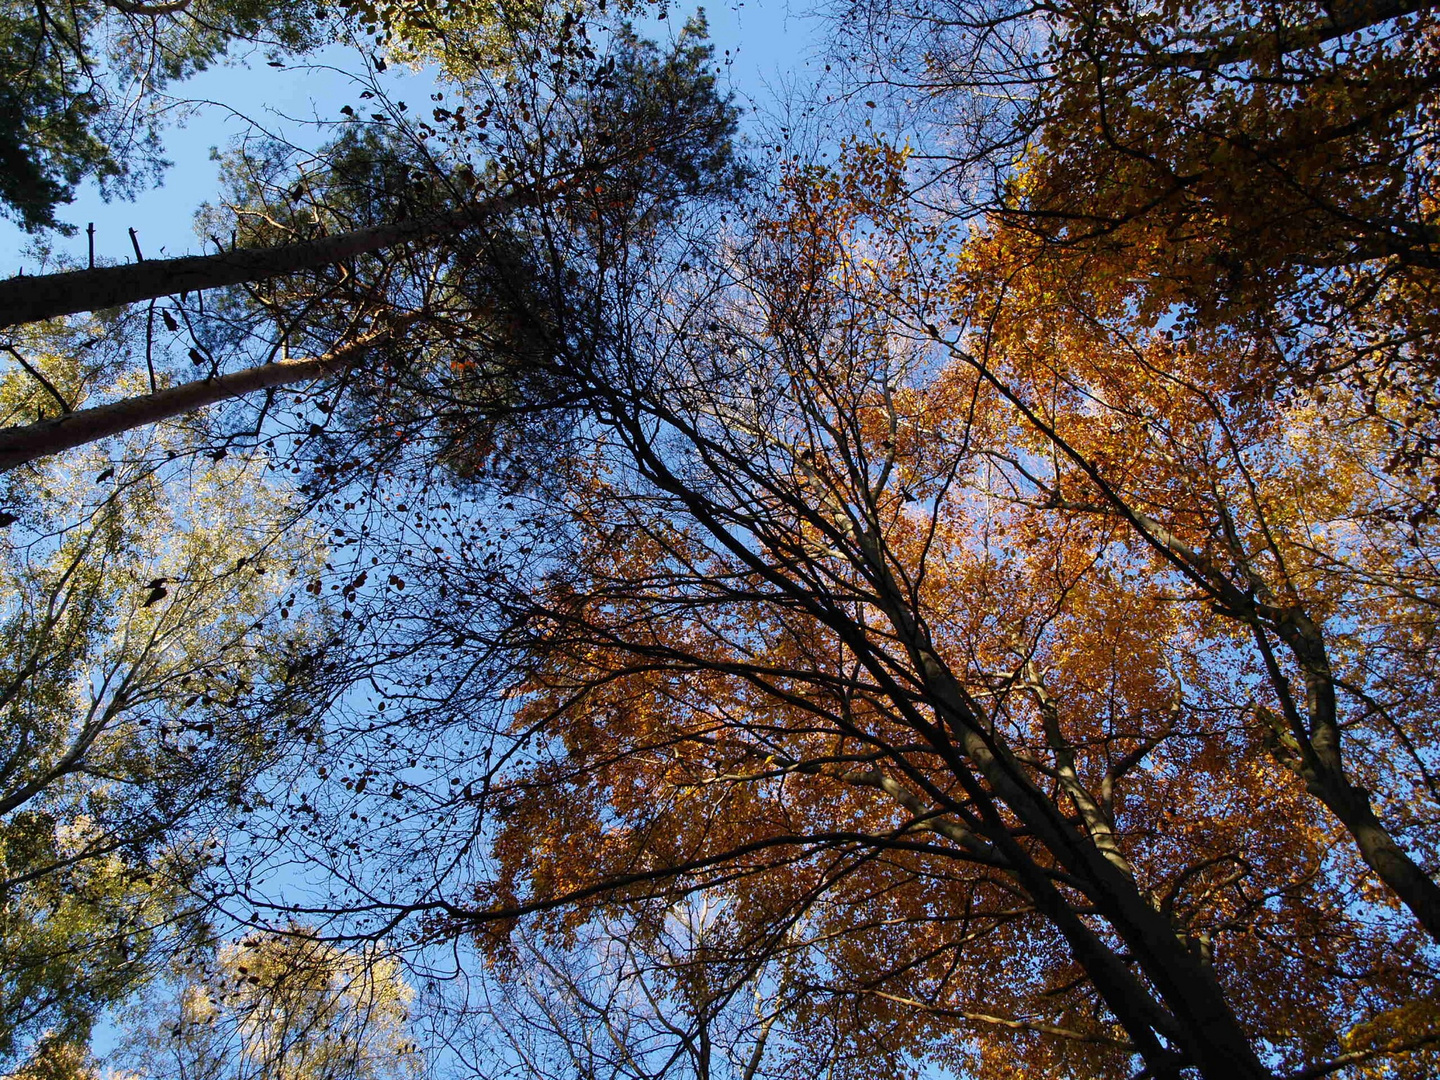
x=1340, y=18
x=1319, y=759
x=1320, y=762
x=1191, y=1014
x=30, y=441
x=47, y=296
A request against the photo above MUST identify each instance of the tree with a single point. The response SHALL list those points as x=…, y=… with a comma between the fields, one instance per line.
x=1247, y=531
x=1034, y=688
x=178, y=848
x=149, y=679
x=46, y=296
x=1290, y=135
x=788, y=624
x=59, y=1061
x=1208, y=172
x=80, y=85
x=283, y=1007
x=647, y=130
x=644, y=998
x=1261, y=167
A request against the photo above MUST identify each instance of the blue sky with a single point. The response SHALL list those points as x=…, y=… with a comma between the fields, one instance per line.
x=769, y=47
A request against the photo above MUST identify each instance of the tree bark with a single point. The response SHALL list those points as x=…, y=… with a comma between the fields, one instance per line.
x=1192, y=1014
x=1342, y=17
x=1322, y=767
x=1392, y=864
x=48, y=296
x=1321, y=761
x=26, y=443
x=1206, y=1028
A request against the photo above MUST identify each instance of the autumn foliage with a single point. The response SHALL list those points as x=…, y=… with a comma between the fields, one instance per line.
x=1043, y=690
x=965, y=603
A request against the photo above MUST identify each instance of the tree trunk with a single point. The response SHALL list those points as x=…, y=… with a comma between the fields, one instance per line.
x=1192, y=1013
x=48, y=296
x=1341, y=18
x=26, y=443
x=1322, y=766
x=1321, y=762
x=1205, y=1028
x=1401, y=874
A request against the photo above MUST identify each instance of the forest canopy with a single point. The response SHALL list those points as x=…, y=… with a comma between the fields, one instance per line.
x=581, y=579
